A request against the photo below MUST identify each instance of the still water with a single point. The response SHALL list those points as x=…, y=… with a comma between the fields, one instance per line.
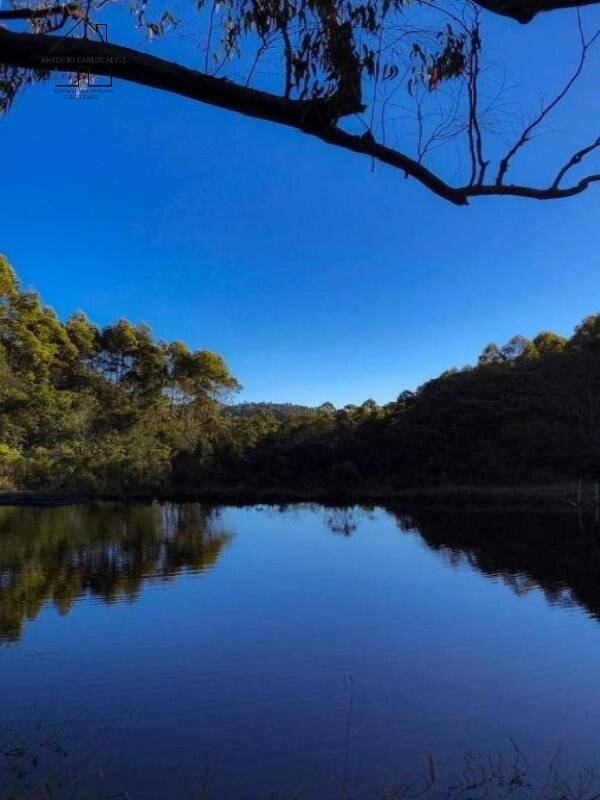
x=176, y=651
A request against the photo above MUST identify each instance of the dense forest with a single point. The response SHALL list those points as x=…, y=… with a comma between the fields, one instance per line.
x=113, y=410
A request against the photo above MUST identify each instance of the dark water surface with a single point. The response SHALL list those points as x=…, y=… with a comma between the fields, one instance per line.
x=271, y=650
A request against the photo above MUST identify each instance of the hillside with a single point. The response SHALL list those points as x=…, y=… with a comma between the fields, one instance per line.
x=85, y=409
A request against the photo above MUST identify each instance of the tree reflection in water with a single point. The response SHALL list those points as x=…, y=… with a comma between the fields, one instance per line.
x=556, y=553
x=110, y=551
x=106, y=550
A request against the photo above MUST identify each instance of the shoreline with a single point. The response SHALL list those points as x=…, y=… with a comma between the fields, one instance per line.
x=547, y=497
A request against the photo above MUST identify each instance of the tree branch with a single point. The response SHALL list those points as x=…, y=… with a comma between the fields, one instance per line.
x=575, y=159
x=547, y=109
x=524, y=11
x=60, y=54
x=52, y=53
x=342, y=54
x=550, y=193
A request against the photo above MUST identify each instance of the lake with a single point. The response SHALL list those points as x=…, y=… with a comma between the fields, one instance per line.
x=178, y=651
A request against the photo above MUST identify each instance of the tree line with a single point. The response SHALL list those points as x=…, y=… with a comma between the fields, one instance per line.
x=89, y=408
x=113, y=410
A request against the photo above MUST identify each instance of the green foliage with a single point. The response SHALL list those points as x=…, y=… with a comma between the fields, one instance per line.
x=547, y=342
x=280, y=411
x=529, y=412
x=97, y=410
x=587, y=334
x=9, y=460
x=114, y=410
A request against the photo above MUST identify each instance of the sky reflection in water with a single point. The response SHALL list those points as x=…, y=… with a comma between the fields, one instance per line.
x=306, y=648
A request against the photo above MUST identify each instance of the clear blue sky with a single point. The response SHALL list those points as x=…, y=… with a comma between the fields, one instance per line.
x=314, y=277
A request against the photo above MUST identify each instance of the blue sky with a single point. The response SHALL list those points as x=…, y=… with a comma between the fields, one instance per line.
x=316, y=278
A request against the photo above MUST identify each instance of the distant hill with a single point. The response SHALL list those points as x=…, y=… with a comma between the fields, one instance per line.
x=281, y=411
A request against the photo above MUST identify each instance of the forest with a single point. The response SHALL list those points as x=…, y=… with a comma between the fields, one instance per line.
x=114, y=411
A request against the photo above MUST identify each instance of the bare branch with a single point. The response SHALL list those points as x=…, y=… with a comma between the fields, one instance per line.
x=53, y=53
x=528, y=130
x=575, y=159
x=314, y=117
x=478, y=163
x=550, y=193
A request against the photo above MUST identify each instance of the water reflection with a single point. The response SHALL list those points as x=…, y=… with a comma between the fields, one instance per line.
x=328, y=648
x=108, y=551
x=552, y=552
x=556, y=553
x=344, y=521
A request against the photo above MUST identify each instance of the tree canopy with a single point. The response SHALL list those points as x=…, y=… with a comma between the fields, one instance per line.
x=97, y=407
x=393, y=80
x=113, y=410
